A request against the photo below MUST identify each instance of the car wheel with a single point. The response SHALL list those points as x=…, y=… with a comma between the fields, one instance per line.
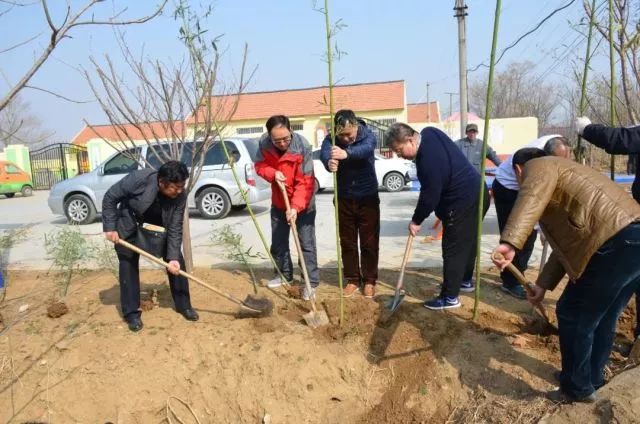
x=213, y=203
x=26, y=191
x=9, y=195
x=79, y=210
x=393, y=181
x=238, y=207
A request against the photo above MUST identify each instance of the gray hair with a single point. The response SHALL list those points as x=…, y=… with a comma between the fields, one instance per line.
x=555, y=142
x=398, y=132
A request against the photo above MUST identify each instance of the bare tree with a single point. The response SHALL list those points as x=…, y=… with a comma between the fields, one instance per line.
x=19, y=126
x=84, y=16
x=626, y=42
x=518, y=92
x=161, y=96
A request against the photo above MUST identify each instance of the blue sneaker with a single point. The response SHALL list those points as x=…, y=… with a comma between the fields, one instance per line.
x=516, y=291
x=442, y=302
x=467, y=286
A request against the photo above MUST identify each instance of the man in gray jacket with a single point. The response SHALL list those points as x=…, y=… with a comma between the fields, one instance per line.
x=471, y=147
x=157, y=198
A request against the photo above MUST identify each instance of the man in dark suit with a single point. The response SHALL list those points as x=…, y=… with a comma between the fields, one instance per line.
x=157, y=198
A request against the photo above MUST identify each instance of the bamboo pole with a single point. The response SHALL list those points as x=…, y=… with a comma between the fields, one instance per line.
x=485, y=137
x=243, y=193
x=612, y=93
x=583, y=90
x=328, y=31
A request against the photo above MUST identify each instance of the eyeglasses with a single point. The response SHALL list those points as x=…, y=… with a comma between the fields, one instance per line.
x=281, y=140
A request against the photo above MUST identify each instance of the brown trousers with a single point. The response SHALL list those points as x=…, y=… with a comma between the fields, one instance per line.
x=360, y=220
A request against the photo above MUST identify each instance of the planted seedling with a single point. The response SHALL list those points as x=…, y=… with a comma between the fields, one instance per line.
x=236, y=251
x=66, y=247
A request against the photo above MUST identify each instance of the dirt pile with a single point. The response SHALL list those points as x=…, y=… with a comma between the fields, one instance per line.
x=418, y=366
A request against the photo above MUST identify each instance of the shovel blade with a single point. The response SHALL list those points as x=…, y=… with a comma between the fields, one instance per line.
x=394, y=303
x=257, y=306
x=316, y=319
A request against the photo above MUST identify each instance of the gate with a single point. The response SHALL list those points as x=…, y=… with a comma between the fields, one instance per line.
x=57, y=162
x=379, y=129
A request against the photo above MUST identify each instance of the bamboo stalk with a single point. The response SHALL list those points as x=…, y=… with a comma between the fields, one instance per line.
x=583, y=89
x=487, y=114
x=243, y=193
x=612, y=93
x=333, y=142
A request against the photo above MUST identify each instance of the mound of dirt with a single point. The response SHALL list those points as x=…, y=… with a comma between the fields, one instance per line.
x=418, y=366
x=618, y=402
x=57, y=309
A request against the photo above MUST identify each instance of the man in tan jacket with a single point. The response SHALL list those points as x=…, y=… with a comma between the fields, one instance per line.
x=593, y=227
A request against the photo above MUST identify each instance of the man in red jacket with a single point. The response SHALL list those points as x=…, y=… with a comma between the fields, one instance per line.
x=284, y=156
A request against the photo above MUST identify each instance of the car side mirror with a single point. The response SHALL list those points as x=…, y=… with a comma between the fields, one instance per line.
x=101, y=171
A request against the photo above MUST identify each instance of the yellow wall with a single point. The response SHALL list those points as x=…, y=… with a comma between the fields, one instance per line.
x=506, y=135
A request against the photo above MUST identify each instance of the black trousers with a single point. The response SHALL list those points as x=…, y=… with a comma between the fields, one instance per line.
x=459, y=246
x=130, y=287
x=504, y=199
x=360, y=220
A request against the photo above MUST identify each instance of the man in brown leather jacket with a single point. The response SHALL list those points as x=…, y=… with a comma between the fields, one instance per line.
x=593, y=227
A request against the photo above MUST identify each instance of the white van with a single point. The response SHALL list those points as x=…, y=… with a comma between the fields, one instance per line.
x=214, y=194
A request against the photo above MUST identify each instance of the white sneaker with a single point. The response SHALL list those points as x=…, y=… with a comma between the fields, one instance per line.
x=308, y=295
x=275, y=283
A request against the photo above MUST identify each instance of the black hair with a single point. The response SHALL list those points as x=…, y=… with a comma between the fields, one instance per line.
x=523, y=156
x=277, y=121
x=344, y=117
x=173, y=171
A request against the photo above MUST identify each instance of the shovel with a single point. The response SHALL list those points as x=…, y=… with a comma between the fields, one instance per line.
x=528, y=288
x=251, y=305
x=314, y=318
x=398, y=297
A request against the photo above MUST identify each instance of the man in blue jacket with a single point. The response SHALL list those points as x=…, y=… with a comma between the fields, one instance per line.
x=353, y=159
x=449, y=186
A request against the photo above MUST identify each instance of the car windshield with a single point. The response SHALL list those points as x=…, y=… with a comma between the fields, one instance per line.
x=252, y=146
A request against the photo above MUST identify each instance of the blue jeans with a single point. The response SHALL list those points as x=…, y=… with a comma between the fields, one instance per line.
x=589, y=308
x=280, y=230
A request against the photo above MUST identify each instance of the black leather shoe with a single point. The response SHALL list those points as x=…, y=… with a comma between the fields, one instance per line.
x=135, y=324
x=190, y=314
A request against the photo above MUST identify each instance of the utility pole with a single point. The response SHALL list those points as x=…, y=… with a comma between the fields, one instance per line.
x=451, y=103
x=460, y=14
x=428, y=105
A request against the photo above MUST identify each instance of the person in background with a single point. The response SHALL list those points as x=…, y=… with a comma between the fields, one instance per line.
x=157, y=198
x=358, y=203
x=285, y=156
x=505, y=192
x=593, y=227
x=471, y=147
x=449, y=186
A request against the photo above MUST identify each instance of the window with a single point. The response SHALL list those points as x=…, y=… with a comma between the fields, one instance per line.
x=157, y=155
x=216, y=156
x=297, y=127
x=387, y=121
x=252, y=146
x=11, y=169
x=123, y=162
x=249, y=130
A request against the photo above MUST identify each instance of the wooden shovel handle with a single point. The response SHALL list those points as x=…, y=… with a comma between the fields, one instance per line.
x=159, y=261
x=522, y=280
x=405, y=259
x=296, y=240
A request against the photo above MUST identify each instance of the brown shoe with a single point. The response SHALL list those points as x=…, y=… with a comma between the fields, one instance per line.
x=369, y=291
x=350, y=290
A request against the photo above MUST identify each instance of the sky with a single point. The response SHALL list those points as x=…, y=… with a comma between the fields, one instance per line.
x=409, y=40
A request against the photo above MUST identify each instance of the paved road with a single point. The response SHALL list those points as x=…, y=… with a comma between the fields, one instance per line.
x=396, y=210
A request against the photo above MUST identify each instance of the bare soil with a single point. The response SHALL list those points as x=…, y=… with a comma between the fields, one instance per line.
x=418, y=366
